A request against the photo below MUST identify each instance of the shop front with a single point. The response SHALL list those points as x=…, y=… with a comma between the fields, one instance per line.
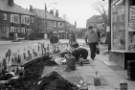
x=122, y=31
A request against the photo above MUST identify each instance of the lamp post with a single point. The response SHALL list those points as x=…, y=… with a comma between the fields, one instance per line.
x=109, y=24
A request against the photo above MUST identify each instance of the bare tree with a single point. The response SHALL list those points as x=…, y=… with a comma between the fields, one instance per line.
x=102, y=10
x=101, y=7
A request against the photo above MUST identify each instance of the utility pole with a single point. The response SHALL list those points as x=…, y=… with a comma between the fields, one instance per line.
x=109, y=23
x=45, y=22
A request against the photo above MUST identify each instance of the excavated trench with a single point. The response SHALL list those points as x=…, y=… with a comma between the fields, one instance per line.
x=32, y=80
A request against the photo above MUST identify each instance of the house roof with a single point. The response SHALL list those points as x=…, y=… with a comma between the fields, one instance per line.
x=15, y=8
x=95, y=19
x=41, y=13
x=69, y=24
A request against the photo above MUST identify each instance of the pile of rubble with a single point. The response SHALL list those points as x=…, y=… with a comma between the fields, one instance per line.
x=29, y=77
x=54, y=81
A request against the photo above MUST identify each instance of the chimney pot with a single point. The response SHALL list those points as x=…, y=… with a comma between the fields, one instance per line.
x=30, y=8
x=10, y=2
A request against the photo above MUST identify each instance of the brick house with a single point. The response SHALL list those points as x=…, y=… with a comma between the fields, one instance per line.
x=49, y=24
x=15, y=21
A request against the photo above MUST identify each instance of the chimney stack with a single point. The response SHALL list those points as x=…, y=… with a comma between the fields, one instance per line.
x=51, y=12
x=10, y=2
x=30, y=8
x=57, y=13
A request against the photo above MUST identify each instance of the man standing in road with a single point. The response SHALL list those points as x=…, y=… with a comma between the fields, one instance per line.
x=92, y=38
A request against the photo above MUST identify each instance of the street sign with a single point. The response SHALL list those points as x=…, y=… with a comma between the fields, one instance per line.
x=117, y=2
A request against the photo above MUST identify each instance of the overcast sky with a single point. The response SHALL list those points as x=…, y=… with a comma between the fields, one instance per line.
x=71, y=10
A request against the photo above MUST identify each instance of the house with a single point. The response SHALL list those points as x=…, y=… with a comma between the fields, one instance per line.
x=47, y=23
x=15, y=21
x=96, y=21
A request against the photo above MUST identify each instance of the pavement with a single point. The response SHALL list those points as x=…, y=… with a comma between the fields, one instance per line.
x=108, y=73
x=110, y=78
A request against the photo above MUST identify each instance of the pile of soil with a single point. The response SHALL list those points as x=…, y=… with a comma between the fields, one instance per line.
x=32, y=74
x=48, y=61
x=34, y=70
x=32, y=79
x=54, y=81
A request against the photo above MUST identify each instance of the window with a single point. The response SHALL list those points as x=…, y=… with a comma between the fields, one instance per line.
x=17, y=29
x=5, y=16
x=28, y=30
x=14, y=18
x=23, y=30
x=60, y=24
x=12, y=28
x=22, y=19
x=32, y=19
x=1, y=16
x=51, y=23
x=25, y=19
x=4, y=28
